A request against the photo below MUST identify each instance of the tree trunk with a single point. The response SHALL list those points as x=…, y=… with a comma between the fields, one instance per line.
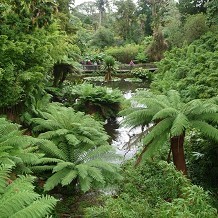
x=177, y=146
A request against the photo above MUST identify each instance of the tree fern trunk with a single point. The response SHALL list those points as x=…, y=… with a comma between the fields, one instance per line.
x=177, y=147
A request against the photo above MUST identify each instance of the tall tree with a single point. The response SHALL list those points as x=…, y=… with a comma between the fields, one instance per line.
x=192, y=7
x=170, y=118
x=125, y=18
x=101, y=4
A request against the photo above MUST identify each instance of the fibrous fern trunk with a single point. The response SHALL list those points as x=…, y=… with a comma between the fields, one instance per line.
x=108, y=76
x=177, y=147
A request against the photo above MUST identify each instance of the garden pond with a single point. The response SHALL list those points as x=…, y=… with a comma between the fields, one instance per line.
x=119, y=134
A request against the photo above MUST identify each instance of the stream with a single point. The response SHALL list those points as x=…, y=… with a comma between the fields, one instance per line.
x=119, y=134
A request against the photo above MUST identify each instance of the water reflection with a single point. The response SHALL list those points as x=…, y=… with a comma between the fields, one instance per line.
x=120, y=135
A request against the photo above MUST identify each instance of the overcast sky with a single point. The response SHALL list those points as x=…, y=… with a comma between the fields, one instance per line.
x=77, y=2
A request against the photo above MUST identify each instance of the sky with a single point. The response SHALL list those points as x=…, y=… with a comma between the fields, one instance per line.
x=77, y=2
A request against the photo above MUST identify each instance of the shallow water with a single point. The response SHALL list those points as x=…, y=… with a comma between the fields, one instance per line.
x=120, y=135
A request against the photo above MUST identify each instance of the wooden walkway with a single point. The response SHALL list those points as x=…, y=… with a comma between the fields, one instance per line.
x=122, y=69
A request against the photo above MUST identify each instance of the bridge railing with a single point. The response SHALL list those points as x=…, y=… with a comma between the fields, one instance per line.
x=122, y=67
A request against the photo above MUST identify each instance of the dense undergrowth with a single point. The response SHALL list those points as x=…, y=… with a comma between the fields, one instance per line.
x=144, y=192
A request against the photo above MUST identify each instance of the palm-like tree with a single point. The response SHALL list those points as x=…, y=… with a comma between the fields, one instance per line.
x=170, y=118
x=78, y=149
x=109, y=67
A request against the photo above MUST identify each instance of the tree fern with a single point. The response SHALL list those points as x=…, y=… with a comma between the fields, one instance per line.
x=170, y=116
x=18, y=198
x=76, y=148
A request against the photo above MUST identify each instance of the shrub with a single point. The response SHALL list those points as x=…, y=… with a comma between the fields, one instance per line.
x=94, y=99
x=124, y=54
x=194, y=27
x=192, y=69
x=155, y=189
x=141, y=73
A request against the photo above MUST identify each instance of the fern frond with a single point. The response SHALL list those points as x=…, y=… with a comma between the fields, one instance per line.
x=97, y=153
x=166, y=112
x=85, y=183
x=96, y=174
x=69, y=177
x=139, y=117
x=180, y=124
x=206, y=129
x=156, y=145
x=62, y=165
x=157, y=130
x=211, y=117
x=174, y=98
x=52, y=150
x=4, y=176
x=72, y=139
x=55, y=179
x=82, y=170
x=39, y=208
x=10, y=204
x=42, y=168
x=54, y=133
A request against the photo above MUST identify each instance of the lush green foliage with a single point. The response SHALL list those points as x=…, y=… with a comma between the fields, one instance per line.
x=170, y=117
x=194, y=27
x=124, y=54
x=29, y=49
x=142, y=73
x=202, y=155
x=102, y=38
x=18, y=199
x=77, y=152
x=145, y=192
x=192, y=70
x=17, y=149
x=93, y=99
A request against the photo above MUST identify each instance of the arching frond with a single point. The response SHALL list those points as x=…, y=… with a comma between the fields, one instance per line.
x=55, y=179
x=206, y=129
x=96, y=174
x=55, y=133
x=166, y=112
x=211, y=117
x=174, y=98
x=39, y=208
x=51, y=149
x=138, y=117
x=156, y=145
x=63, y=165
x=179, y=125
x=4, y=176
x=85, y=183
x=158, y=130
x=69, y=177
x=18, y=198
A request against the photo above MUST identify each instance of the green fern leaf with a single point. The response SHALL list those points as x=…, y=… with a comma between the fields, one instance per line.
x=85, y=183
x=55, y=179
x=96, y=174
x=206, y=129
x=39, y=208
x=166, y=112
x=4, y=175
x=180, y=124
x=62, y=165
x=69, y=177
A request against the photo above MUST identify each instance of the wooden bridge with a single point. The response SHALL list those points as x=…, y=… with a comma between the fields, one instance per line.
x=124, y=68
